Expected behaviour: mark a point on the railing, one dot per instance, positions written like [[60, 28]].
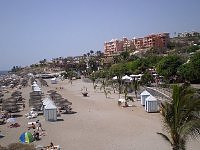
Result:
[[160, 93]]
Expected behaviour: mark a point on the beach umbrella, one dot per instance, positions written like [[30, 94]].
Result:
[[51, 91], [11, 120], [16, 93], [10, 100], [26, 137], [126, 78], [11, 108], [114, 78]]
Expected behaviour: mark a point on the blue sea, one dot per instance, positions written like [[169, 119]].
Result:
[[3, 73]]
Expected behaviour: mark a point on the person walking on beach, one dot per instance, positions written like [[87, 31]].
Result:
[[39, 125], [23, 106]]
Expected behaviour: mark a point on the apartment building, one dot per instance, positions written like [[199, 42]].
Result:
[[128, 44], [112, 47], [116, 46], [154, 40]]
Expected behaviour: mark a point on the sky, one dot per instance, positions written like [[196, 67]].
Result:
[[32, 30]]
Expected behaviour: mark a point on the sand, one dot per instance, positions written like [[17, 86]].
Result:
[[98, 123]]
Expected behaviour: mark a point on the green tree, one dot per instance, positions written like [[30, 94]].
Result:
[[70, 75], [81, 66], [147, 79], [193, 48], [93, 65], [16, 68], [135, 86], [104, 85], [191, 71], [168, 66], [181, 116], [43, 62], [91, 52], [124, 56], [118, 70], [93, 78], [99, 54], [152, 60]]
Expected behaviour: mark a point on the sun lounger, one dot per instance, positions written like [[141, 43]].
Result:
[[39, 147], [30, 123], [122, 100], [57, 147], [15, 125], [31, 115]]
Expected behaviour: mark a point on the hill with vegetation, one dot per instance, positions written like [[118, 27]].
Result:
[[179, 62]]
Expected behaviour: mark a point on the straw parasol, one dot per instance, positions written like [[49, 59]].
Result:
[[10, 107], [51, 91], [16, 93]]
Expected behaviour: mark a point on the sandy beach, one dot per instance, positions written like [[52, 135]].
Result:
[[98, 123]]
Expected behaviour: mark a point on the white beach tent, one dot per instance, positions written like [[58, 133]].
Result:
[[34, 85], [114, 78], [151, 104], [50, 112], [126, 78], [47, 100], [143, 96], [37, 89], [136, 76], [54, 81]]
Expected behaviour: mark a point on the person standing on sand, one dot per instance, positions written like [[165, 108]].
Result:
[[23, 106], [39, 125]]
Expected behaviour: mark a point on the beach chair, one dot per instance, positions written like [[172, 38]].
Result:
[[15, 125], [57, 147], [39, 147]]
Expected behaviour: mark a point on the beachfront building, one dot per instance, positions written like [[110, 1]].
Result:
[[150, 41], [112, 47], [115, 46], [128, 44]]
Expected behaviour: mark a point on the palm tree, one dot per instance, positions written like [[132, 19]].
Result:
[[99, 54], [104, 85], [88, 54], [135, 86], [181, 116], [91, 52], [70, 75], [93, 78]]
